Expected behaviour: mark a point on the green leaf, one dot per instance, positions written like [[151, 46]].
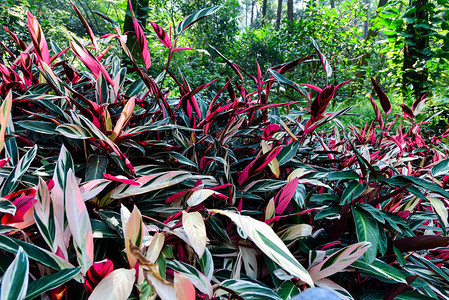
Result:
[[342, 175], [34, 252], [41, 285], [15, 280], [95, 167], [353, 191], [288, 152], [250, 290], [269, 243], [7, 207], [9, 185], [198, 279], [441, 168], [366, 229], [207, 264], [193, 18], [38, 126], [375, 212], [401, 180], [73, 131], [380, 269], [281, 79], [287, 290]]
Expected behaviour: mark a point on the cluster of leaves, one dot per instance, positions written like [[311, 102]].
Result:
[[114, 188]]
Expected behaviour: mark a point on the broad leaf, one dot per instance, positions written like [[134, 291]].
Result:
[[5, 111], [196, 231], [441, 168], [269, 243], [380, 269], [116, 285], [195, 17], [367, 230], [14, 282], [79, 223], [339, 261], [49, 282]]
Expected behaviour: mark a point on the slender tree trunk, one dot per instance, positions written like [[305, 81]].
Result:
[[290, 10], [279, 14], [264, 8], [414, 71], [252, 12], [332, 3], [246, 14]]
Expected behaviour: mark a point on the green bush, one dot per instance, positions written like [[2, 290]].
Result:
[[115, 187]]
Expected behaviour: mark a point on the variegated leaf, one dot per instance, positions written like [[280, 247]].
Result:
[[150, 183], [79, 223], [270, 244], [5, 111], [196, 231]]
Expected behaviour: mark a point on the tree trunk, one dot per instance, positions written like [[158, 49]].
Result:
[[279, 14], [264, 10], [252, 13], [246, 14], [332, 3], [290, 10], [139, 7], [413, 67]]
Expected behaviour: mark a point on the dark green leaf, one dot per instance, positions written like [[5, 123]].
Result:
[[41, 285], [95, 167], [366, 229]]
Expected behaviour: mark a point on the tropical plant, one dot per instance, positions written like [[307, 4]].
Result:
[[113, 187]]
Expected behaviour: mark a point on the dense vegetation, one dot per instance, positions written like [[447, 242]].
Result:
[[223, 160]]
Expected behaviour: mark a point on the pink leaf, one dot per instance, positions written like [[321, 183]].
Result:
[[24, 213], [91, 62], [377, 111], [103, 53], [258, 164], [339, 261], [183, 48], [184, 288], [313, 87], [120, 178], [285, 195], [162, 35], [38, 38], [269, 131], [141, 39], [86, 26], [97, 272]]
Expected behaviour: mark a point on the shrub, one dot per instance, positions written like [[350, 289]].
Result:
[[113, 187]]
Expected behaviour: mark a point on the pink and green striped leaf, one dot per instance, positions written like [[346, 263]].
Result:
[[195, 17], [90, 33], [12, 181], [150, 183], [5, 111], [38, 38], [141, 39], [79, 223], [162, 35]]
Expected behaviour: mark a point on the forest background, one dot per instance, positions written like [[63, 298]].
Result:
[[403, 44]]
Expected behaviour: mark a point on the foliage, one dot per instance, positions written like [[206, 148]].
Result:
[[114, 187]]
